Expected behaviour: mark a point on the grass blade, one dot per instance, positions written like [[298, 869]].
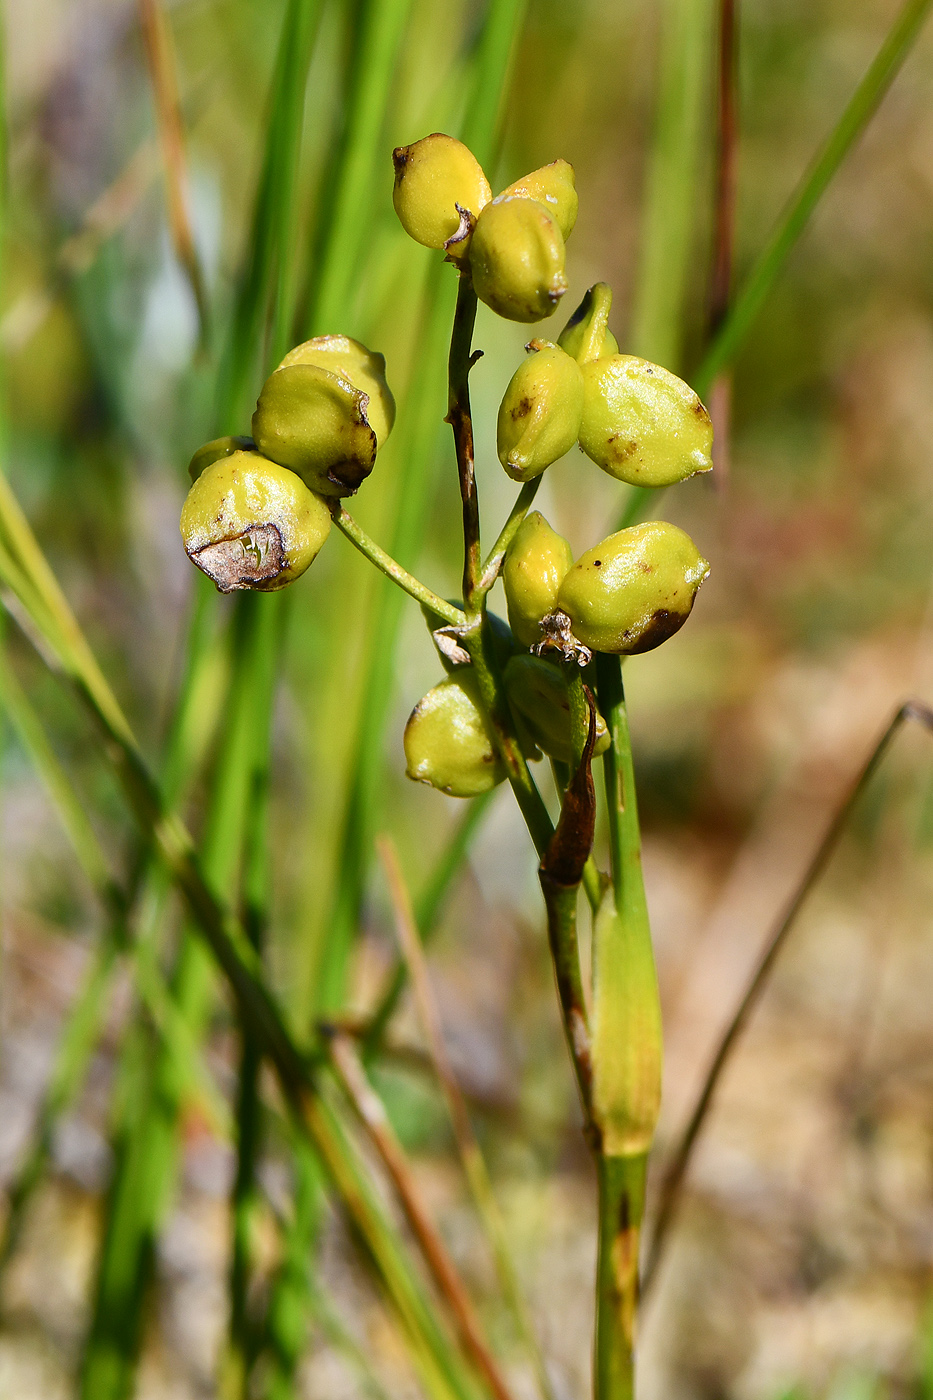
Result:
[[672, 1185], [418, 432], [468, 1148], [160, 55], [259, 1010], [771, 260], [347, 198], [669, 219], [767, 267]]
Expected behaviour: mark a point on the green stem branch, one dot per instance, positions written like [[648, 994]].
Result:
[[493, 565], [391, 568]]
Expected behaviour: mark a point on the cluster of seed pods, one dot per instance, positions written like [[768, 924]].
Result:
[[260, 507]]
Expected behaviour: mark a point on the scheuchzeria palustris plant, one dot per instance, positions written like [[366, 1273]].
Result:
[[261, 508]]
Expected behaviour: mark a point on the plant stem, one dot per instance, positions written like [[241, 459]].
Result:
[[560, 902], [496, 706], [459, 416], [626, 1055], [624, 830], [393, 570], [493, 565], [621, 1208], [478, 637]]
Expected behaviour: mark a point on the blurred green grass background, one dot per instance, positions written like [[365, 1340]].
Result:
[[803, 1258]]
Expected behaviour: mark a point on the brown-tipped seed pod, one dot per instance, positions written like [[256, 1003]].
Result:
[[541, 411], [553, 186], [325, 412], [586, 335], [365, 369], [642, 424], [213, 451], [538, 690], [634, 590], [535, 565], [517, 259], [249, 523], [447, 743], [435, 178]]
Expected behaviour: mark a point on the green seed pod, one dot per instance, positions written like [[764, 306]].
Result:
[[249, 523], [539, 691], [213, 451], [586, 335], [535, 565], [634, 590], [553, 186], [517, 259], [642, 424], [365, 369], [541, 411], [447, 743], [324, 412], [432, 178]]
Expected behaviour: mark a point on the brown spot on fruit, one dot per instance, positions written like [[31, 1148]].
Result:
[[662, 624], [252, 559]]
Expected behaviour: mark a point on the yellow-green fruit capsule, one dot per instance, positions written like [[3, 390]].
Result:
[[365, 369], [432, 177], [553, 186], [634, 590], [541, 411], [447, 743], [535, 565], [538, 690], [213, 451], [249, 523], [316, 423], [586, 335], [517, 259], [642, 424]]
